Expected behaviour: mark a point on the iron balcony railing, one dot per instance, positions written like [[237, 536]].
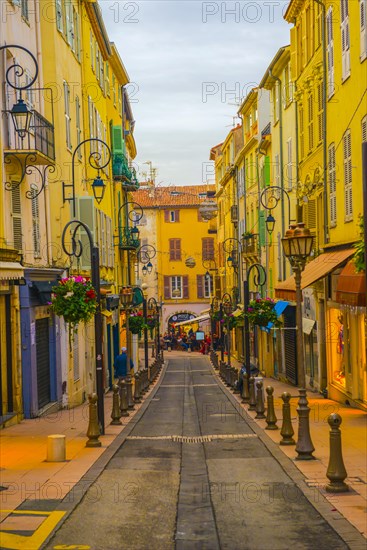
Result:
[[250, 245], [127, 241], [123, 172], [40, 138]]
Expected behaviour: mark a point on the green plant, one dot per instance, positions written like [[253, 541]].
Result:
[[358, 257], [230, 321], [247, 234], [261, 312], [136, 322], [152, 323], [74, 299]]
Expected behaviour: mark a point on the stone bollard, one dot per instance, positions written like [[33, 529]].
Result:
[[115, 414], [137, 398], [287, 430], [252, 400], [260, 407], [235, 381], [336, 472], [245, 393], [271, 418], [304, 446], [56, 450], [93, 432], [123, 398], [129, 390]]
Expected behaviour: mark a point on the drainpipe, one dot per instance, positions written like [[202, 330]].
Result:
[[277, 79], [324, 125]]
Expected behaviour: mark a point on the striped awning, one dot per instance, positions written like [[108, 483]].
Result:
[[11, 270], [200, 319]]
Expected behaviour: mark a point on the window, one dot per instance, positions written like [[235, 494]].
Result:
[[320, 112], [330, 51], [176, 284], [108, 91], [347, 153], [171, 216], [29, 92], [344, 13], [289, 163], [59, 16], [276, 170], [70, 24], [114, 89], [16, 214], [98, 62], [363, 23], [276, 101], [332, 184], [301, 132], [76, 28], [174, 249], [364, 129], [67, 114], [36, 235], [310, 123], [207, 248], [204, 286], [120, 99], [78, 126], [24, 7], [91, 50]]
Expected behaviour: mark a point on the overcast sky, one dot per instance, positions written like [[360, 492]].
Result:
[[188, 61]]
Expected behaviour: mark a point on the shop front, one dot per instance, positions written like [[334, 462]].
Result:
[[40, 340]]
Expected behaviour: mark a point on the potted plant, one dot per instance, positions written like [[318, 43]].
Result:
[[151, 322], [136, 322], [261, 312], [247, 235], [75, 300]]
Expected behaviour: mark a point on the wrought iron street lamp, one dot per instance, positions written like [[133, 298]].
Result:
[[153, 310], [270, 198], [145, 254], [227, 308]]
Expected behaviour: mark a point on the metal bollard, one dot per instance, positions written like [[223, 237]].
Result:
[[336, 472], [287, 430], [245, 393], [235, 381], [137, 398], [129, 389], [252, 401], [115, 414], [304, 446], [271, 418], [123, 399], [260, 407], [93, 432]]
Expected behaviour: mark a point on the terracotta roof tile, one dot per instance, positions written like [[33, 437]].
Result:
[[160, 197]]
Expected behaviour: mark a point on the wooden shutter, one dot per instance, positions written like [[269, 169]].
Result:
[[332, 184], [200, 285], [262, 231], [330, 51], [177, 215], [166, 216], [17, 218], [218, 291], [207, 248], [86, 213], [347, 151], [167, 287], [59, 18], [364, 129], [185, 285], [310, 123], [289, 165], [320, 114], [345, 36], [363, 24], [36, 225], [174, 249]]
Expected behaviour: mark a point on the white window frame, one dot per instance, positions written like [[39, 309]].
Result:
[[363, 28], [310, 125], [208, 288], [107, 77], [348, 176], [277, 169], [59, 16], [172, 216], [332, 184], [67, 114], [345, 38], [289, 163], [330, 52], [78, 126], [176, 282]]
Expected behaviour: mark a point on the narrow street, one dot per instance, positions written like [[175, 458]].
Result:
[[193, 475]]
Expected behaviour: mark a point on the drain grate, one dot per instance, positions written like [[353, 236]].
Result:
[[191, 439]]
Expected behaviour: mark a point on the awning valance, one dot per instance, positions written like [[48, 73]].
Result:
[[11, 270], [351, 287], [279, 308], [199, 319], [315, 270]]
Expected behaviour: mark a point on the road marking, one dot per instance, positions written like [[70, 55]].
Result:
[[34, 541], [191, 439], [187, 385], [72, 547]]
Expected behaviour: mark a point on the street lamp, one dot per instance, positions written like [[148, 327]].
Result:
[[227, 308], [98, 188], [297, 246], [214, 306], [152, 306], [270, 198]]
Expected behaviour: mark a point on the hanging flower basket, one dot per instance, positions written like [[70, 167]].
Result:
[[261, 312], [230, 321], [75, 300], [215, 316], [136, 323], [152, 324]]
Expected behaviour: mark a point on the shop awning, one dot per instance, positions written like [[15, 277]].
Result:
[[199, 319], [307, 325], [44, 289], [11, 270], [315, 270], [279, 308], [351, 287]]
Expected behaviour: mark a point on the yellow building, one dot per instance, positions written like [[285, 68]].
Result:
[[185, 246]]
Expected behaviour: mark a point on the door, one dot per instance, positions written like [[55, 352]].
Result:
[[290, 346], [43, 362]]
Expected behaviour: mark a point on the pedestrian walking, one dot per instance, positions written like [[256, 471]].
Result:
[[121, 364]]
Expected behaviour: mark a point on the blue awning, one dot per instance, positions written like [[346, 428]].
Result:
[[279, 308]]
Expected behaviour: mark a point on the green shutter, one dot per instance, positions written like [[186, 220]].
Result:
[[262, 230], [267, 170], [118, 145]]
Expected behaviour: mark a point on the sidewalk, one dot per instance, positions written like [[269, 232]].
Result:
[[24, 472], [353, 504]]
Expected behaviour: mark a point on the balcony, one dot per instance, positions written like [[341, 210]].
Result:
[[122, 172], [250, 245], [127, 240], [39, 142]]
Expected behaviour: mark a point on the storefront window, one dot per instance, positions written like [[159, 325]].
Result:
[[338, 342], [311, 356]]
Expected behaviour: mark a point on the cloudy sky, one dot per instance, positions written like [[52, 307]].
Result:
[[188, 61]]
